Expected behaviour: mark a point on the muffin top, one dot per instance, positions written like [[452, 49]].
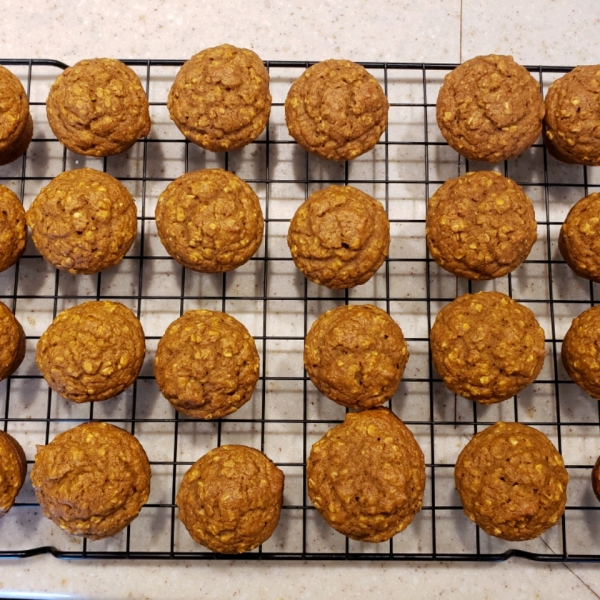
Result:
[[480, 225], [12, 342], [220, 98], [490, 108], [14, 110], [98, 107], [339, 237], [336, 110], [13, 228], [13, 469]]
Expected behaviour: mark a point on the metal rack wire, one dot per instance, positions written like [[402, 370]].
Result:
[[286, 414]]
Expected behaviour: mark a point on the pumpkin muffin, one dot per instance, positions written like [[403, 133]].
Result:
[[13, 228], [92, 352], [210, 221], [487, 347], [220, 98], [490, 108], [13, 469], [356, 355], [92, 480], [367, 476], [12, 342], [230, 499], [336, 110], [206, 364], [83, 221], [578, 241], [339, 237], [16, 124], [480, 225], [512, 481], [596, 478], [98, 107]]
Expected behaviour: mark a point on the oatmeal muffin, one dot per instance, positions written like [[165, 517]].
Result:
[[490, 108], [580, 352], [210, 221], [92, 352], [578, 241], [13, 469], [512, 481], [220, 98], [12, 342], [98, 107], [480, 225], [596, 478], [92, 480], [13, 228], [16, 124], [230, 499], [336, 110], [356, 355], [206, 364], [83, 221], [572, 121], [367, 476], [339, 237], [487, 347]]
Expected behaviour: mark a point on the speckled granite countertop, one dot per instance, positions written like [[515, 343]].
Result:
[[536, 32]]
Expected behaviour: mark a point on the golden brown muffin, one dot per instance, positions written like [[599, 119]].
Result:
[[13, 228], [596, 478], [92, 352], [16, 124], [210, 221], [336, 110], [512, 481], [339, 237], [12, 342], [367, 476], [98, 107], [13, 469], [572, 121], [490, 108], [220, 98], [480, 225], [580, 352], [356, 355], [578, 241], [206, 364], [83, 221], [487, 347], [230, 499], [92, 480]]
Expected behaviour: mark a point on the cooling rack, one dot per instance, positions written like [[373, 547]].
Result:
[[286, 414]]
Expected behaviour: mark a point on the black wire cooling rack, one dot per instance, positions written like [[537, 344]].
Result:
[[286, 414]]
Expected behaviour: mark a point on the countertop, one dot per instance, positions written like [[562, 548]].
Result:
[[551, 32]]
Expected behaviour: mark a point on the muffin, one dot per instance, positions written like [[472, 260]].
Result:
[[230, 499], [13, 469], [578, 239], [206, 364], [83, 221], [490, 108], [480, 225], [572, 121], [210, 221], [92, 351], [92, 480], [13, 228], [339, 237], [98, 107], [12, 342], [596, 478], [16, 124], [487, 347], [512, 481], [367, 476], [336, 110], [220, 98], [356, 355], [580, 352]]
